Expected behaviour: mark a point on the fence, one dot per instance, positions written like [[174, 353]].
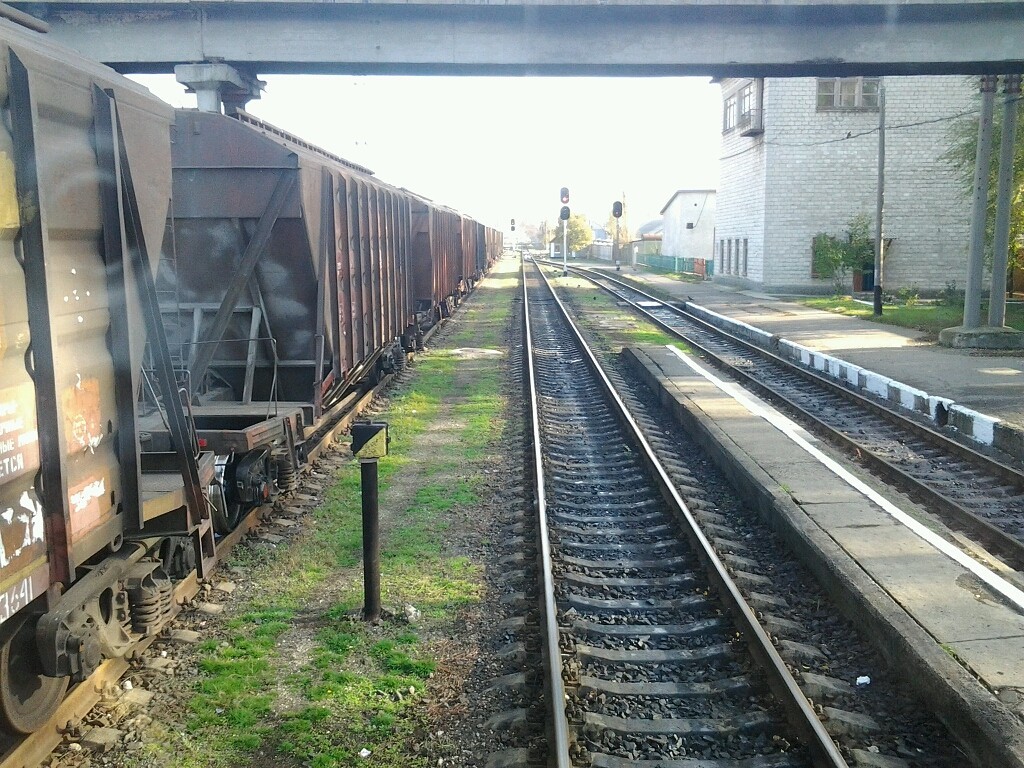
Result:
[[701, 267]]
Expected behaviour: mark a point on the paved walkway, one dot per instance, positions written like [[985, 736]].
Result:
[[944, 620]]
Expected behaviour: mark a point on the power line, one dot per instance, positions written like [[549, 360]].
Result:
[[859, 134]]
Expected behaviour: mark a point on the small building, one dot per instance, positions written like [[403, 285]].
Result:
[[688, 229], [645, 247], [800, 157], [600, 248]]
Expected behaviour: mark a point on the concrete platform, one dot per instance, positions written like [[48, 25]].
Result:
[[950, 626], [982, 381]]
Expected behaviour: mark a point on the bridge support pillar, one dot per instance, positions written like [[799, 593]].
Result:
[[216, 83]]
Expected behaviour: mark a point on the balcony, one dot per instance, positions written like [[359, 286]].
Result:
[[750, 123]]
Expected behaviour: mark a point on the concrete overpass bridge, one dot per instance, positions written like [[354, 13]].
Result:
[[219, 49], [751, 38]]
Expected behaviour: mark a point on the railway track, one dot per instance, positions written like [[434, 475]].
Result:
[[653, 656], [981, 495]]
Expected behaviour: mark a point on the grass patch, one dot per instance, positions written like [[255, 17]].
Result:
[[928, 317], [233, 694], [617, 325]]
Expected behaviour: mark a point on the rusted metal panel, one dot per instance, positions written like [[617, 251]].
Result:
[[422, 264], [388, 266], [342, 219], [355, 223], [326, 298], [365, 271], [376, 292], [69, 421], [403, 224]]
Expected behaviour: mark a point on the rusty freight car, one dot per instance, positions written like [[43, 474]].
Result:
[[282, 274], [438, 270], [450, 253], [84, 187], [285, 280]]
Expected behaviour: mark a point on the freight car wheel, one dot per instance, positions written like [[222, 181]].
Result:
[[226, 515], [28, 698]]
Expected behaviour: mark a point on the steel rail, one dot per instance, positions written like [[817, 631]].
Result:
[[996, 540], [553, 654], [799, 712]]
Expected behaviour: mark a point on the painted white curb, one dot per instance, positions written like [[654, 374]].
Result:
[[943, 412]]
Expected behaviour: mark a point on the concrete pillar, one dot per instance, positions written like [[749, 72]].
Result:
[[976, 257], [216, 83], [1001, 238]]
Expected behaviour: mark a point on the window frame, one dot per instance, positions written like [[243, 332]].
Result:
[[847, 94], [730, 113], [747, 101]]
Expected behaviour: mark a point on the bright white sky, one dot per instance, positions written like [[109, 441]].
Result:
[[501, 148]]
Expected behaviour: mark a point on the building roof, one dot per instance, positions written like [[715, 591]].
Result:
[[651, 230], [679, 192]]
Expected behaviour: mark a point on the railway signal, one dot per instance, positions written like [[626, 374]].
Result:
[[617, 213], [513, 225], [564, 216]]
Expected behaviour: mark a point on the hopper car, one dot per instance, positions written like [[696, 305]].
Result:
[[290, 279], [186, 303]]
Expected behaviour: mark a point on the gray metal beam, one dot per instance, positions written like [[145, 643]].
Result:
[[705, 37]]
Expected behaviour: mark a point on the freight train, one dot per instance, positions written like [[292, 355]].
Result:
[[187, 301]]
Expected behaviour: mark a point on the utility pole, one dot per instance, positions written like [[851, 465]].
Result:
[[565, 253], [975, 259], [880, 204], [1001, 239], [563, 214]]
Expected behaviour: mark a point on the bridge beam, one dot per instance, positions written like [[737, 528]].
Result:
[[645, 37]]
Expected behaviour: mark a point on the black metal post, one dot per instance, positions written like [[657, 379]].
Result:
[[371, 541], [879, 208]]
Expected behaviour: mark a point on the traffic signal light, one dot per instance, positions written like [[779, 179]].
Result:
[[564, 195], [564, 213], [616, 209], [513, 225]]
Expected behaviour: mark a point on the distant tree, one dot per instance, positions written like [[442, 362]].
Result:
[[623, 230], [538, 234], [579, 234], [963, 136]]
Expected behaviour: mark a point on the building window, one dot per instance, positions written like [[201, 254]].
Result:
[[848, 93], [747, 100], [744, 257], [729, 114], [721, 255]]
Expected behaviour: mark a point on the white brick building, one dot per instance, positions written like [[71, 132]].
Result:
[[799, 157], [688, 221]]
